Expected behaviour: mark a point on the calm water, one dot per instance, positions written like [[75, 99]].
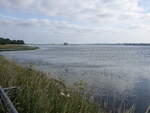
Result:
[[109, 69]]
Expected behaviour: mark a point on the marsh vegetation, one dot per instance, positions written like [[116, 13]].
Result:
[[40, 93]]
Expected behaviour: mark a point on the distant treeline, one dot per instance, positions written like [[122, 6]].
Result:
[[139, 44], [128, 44], [8, 41]]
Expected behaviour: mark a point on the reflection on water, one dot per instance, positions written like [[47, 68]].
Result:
[[138, 97], [118, 74], [141, 94]]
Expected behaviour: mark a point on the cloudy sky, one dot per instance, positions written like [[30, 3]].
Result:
[[75, 21]]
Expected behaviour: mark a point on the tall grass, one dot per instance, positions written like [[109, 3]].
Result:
[[40, 93]]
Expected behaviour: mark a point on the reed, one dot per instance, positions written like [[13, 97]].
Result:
[[40, 93]]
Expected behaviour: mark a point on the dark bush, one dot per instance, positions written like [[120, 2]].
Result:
[[8, 41]]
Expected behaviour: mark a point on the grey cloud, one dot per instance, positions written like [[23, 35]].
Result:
[[45, 24]]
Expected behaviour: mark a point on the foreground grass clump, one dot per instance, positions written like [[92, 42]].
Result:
[[16, 47], [41, 94]]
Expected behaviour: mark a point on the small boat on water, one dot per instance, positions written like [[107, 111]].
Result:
[[66, 43]]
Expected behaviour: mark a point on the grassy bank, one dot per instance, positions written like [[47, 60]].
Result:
[[16, 47], [40, 93]]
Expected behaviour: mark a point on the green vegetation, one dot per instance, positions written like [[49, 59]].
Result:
[[39, 93], [16, 47], [8, 41]]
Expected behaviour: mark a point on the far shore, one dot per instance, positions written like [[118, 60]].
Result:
[[16, 47]]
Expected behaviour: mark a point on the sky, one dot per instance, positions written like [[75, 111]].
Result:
[[76, 21]]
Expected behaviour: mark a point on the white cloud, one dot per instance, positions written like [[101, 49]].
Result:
[[93, 16], [88, 11], [75, 8]]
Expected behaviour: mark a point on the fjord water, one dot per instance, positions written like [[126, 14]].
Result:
[[118, 71]]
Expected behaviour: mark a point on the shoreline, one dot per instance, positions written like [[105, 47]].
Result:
[[41, 93], [16, 47]]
